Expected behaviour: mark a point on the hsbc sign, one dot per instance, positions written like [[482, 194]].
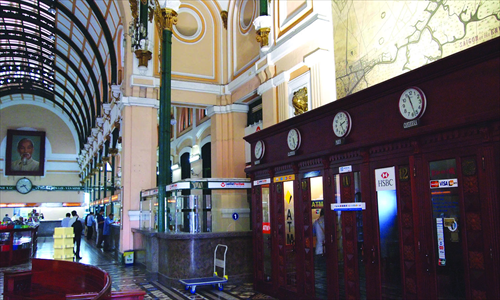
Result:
[[385, 179]]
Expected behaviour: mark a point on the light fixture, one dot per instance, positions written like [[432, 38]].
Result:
[[175, 167], [194, 158], [52, 10]]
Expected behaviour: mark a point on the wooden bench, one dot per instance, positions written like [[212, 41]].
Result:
[[55, 279]]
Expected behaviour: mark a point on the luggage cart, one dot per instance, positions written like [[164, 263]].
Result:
[[214, 280]]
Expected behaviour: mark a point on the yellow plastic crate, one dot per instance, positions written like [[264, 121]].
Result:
[[63, 231], [64, 246], [59, 242], [63, 252]]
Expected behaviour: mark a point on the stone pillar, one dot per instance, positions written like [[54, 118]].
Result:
[[228, 124], [138, 160]]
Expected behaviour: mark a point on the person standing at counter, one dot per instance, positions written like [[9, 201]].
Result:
[[65, 221], [100, 227], [90, 225], [107, 232], [6, 218]]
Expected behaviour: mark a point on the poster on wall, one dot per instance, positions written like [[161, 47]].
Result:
[[25, 153]]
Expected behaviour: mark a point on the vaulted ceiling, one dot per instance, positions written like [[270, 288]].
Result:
[[60, 53]]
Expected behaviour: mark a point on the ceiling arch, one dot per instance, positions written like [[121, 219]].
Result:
[[63, 52]]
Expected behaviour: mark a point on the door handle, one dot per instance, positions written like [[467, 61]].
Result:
[[427, 258]]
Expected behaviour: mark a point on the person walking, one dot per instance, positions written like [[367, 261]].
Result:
[[100, 227], [77, 230], [90, 225], [107, 232]]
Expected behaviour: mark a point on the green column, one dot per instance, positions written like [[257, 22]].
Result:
[[263, 7], [164, 134]]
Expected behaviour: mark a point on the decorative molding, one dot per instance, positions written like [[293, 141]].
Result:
[[136, 101], [226, 109]]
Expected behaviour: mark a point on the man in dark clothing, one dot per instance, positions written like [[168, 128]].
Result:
[[89, 222], [100, 227], [77, 230]]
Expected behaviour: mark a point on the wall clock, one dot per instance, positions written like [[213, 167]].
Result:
[[293, 139], [412, 103], [259, 150], [342, 124], [24, 185]]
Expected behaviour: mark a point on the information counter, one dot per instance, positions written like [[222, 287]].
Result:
[[17, 245], [200, 214]]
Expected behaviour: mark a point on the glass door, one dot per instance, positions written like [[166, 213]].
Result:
[[289, 245], [266, 242], [348, 239]]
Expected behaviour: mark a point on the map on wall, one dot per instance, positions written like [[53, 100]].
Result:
[[378, 40]]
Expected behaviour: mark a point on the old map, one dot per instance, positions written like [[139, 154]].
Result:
[[378, 40]]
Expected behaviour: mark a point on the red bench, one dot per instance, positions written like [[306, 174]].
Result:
[[55, 279]]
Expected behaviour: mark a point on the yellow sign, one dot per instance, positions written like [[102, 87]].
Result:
[[284, 178]]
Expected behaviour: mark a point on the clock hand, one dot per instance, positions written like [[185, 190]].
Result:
[[409, 100]]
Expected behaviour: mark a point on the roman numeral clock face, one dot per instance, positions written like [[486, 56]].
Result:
[[412, 103]]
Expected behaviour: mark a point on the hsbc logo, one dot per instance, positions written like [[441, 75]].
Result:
[[385, 179]]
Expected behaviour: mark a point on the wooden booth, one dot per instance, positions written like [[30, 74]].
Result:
[[407, 173]]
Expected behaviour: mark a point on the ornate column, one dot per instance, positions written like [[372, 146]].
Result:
[[166, 18]]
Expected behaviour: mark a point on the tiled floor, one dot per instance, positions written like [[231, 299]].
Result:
[[136, 277]]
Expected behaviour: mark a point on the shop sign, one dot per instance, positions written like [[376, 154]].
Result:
[[262, 181], [266, 228], [179, 186], [229, 185], [444, 183], [345, 169], [284, 178], [312, 174], [348, 206], [385, 179]]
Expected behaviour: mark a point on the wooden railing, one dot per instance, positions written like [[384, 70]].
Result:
[[55, 279]]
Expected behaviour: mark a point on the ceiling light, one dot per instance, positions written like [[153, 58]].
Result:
[[52, 10]]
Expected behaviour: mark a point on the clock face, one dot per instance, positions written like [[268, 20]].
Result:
[[342, 124], [293, 139], [24, 185], [259, 150], [412, 103]]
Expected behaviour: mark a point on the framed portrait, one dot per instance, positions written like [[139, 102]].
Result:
[[25, 153]]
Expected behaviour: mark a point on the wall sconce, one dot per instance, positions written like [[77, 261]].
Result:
[[175, 167], [194, 158]]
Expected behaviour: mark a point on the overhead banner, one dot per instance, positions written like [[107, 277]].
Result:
[[385, 179]]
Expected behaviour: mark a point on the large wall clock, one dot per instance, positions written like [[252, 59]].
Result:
[[259, 150], [342, 124], [24, 185], [412, 103], [293, 139]]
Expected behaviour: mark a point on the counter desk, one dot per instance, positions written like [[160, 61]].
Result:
[[175, 256]]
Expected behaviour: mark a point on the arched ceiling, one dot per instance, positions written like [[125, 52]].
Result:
[[62, 53]]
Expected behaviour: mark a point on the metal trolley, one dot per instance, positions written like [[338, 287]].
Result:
[[215, 280]]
